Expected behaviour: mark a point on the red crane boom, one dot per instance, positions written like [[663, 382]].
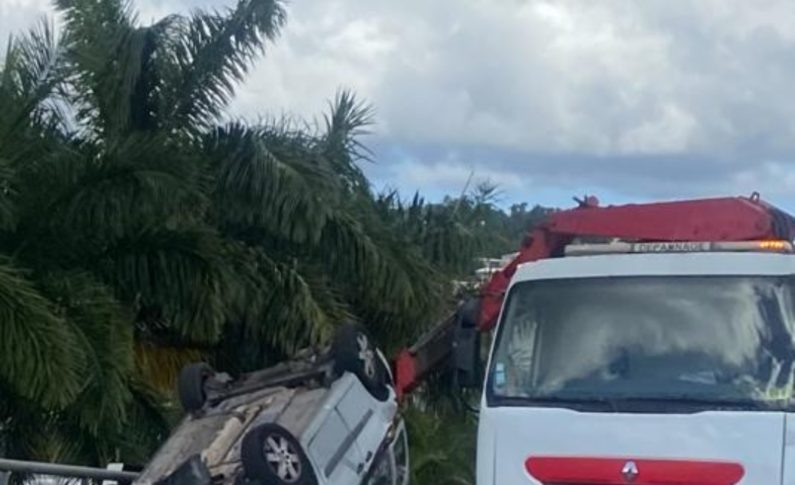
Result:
[[719, 219]]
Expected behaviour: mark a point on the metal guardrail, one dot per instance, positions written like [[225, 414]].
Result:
[[66, 471]]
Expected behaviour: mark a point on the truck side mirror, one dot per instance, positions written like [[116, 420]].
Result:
[[466, 346]]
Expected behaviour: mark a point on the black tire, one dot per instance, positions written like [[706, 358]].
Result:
[[262, 462], [190, 386], [349, 343]]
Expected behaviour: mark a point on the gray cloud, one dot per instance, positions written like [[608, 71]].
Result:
[[641, 99]]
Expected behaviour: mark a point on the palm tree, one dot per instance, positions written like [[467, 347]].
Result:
[[141, 230], [67, 342]]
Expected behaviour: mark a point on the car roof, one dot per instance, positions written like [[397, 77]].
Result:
[[666, 264]]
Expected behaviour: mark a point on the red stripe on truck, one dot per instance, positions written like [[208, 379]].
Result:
[[622, 471]]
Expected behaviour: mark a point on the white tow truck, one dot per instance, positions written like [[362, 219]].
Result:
[[645, 369], [647, 344]]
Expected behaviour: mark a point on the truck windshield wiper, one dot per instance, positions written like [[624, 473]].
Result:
[[707, 402], [642, 403], [576, 402], [699, 402]]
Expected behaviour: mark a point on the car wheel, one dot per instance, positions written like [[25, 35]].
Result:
[[190, 386], [271, 454], [353, 351]]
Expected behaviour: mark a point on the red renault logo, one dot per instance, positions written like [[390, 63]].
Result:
[[630, 471]]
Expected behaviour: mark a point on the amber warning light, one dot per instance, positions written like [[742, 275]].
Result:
[[778, 246]]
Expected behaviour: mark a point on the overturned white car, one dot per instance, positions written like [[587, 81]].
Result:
[[326, 418]]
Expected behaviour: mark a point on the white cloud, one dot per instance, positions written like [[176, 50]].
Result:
[[653, 97], [669, 131], [17, 15], [704, 80]]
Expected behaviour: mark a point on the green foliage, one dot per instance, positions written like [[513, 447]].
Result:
[[453, 233], [138, 232], [442, 447], [42, 352], [211, 52]]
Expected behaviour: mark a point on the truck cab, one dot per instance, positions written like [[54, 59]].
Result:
[[644, 364]]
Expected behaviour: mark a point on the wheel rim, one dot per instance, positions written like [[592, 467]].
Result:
[[282, 458], [366, 355]]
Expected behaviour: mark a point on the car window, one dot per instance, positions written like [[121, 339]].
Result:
[[382, 473]]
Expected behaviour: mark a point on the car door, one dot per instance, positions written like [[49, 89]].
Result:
[[333, 447], [361, 414]]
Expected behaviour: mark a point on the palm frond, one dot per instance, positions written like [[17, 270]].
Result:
[[105, 50], [391, 286], [101, 193], [345, 124], [42, 357], [150, 417], [29, 73], [213, 53], [450, 235], [32, 433], [269, 179], [175, 276], [105, 329], [275, 305]]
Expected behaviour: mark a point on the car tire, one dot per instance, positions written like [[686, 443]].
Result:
[[353, 352], [272, 455], [191, 386]]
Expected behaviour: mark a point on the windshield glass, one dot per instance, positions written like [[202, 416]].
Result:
[[699, 339]]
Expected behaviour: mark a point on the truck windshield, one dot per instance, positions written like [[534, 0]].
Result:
[[707, 341]]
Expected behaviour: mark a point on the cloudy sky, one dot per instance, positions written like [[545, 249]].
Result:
[[628, 100]]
